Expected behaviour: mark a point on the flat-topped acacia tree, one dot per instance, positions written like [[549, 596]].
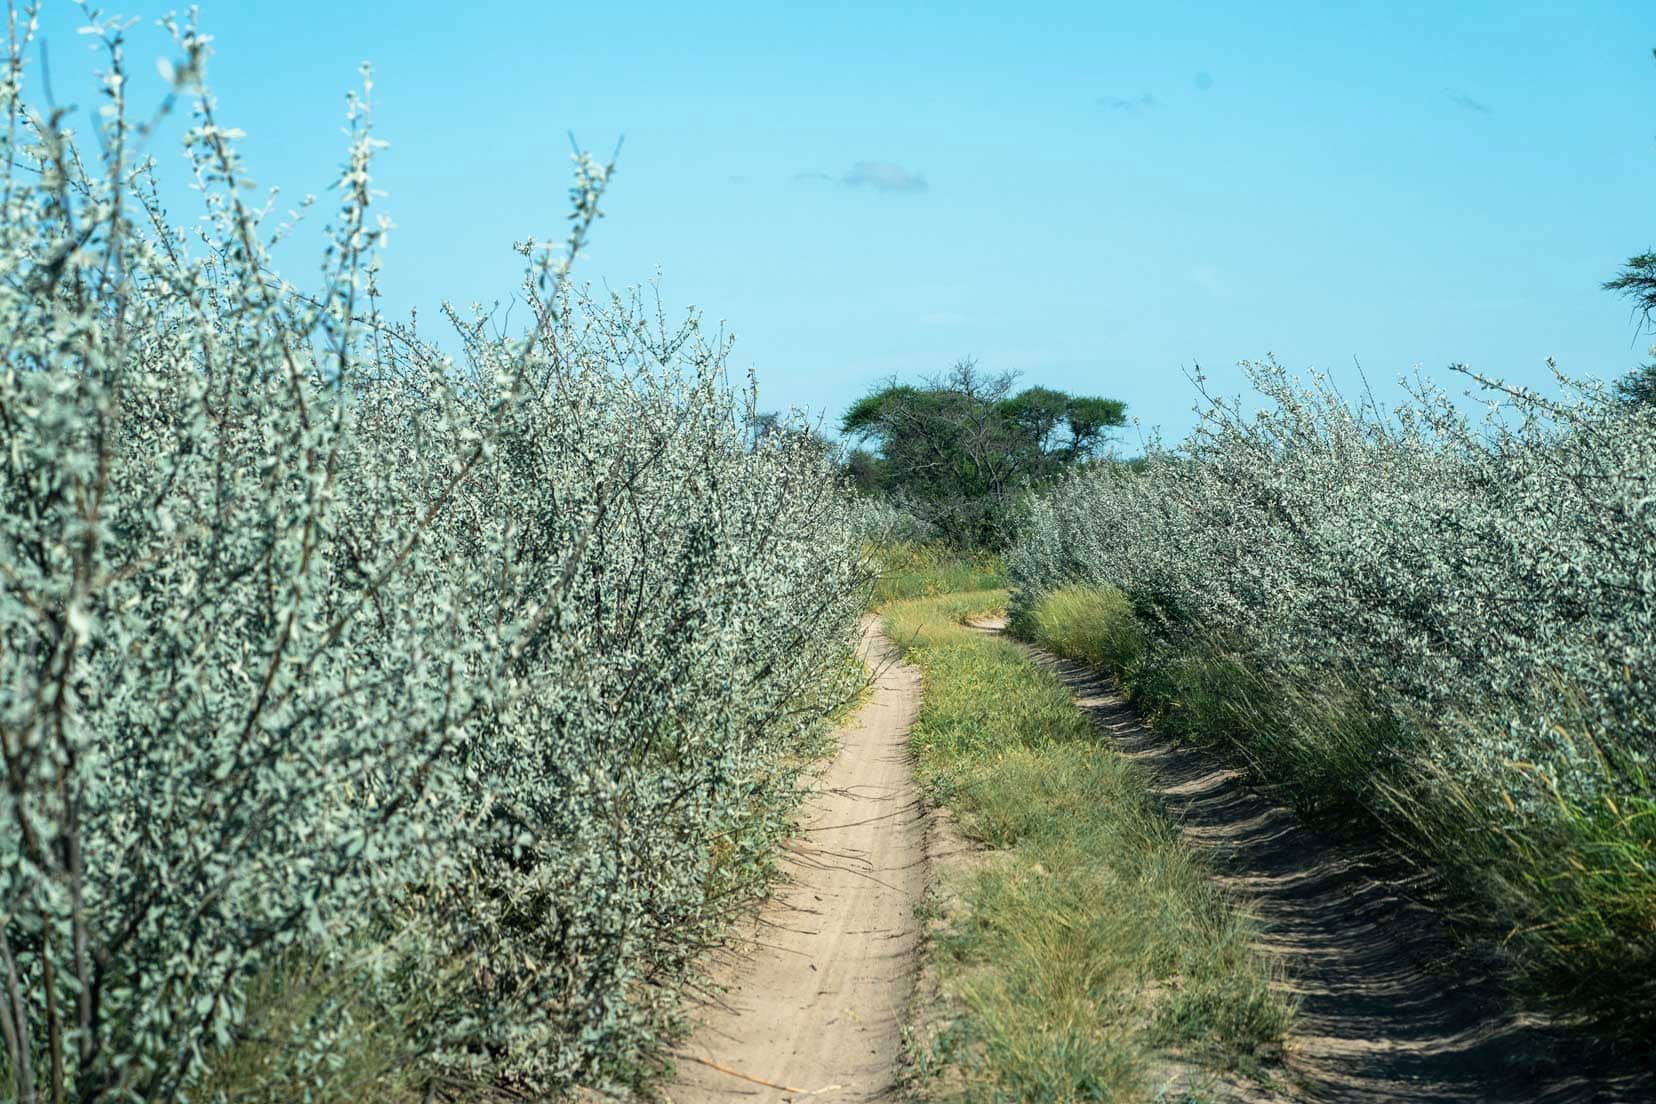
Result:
[[958, 447]]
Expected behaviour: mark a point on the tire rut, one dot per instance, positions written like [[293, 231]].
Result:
[[1389, 1010], [816, 984]]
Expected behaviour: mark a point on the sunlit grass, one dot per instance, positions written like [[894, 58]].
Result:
[[926, 570], [1098, 942], [1086, 623]]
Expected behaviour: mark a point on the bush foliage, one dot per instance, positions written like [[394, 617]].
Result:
[[468, 682], [1445, 624]]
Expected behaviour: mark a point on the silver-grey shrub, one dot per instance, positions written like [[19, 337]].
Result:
[[470, 680], [1445, 621]]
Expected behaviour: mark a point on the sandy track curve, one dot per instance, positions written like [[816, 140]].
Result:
[[816, 984]]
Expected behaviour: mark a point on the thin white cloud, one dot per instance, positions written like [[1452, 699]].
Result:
[[883, 176]]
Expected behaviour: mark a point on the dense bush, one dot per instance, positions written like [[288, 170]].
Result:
[[466, 685], [1445, 625]]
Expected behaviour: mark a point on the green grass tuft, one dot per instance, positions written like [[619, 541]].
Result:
[[1085, 623]]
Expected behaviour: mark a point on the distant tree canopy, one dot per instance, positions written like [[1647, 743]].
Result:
[[957, 448], [1637, 281]]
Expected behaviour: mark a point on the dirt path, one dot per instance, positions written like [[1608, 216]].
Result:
[[816, 988], [1387, 1011]]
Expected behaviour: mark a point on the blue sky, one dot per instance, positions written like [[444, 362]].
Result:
[[1096, 195]]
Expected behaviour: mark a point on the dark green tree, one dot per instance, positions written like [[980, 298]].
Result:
[[1637, 281], [958, 448]]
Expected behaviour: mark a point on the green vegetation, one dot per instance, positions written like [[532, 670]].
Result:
[[957, 451], [1322, 741], [1410, 625], [387, 719], [1637, 281], [1316, 740], [1094, 945], [1092, 625], [928, 570]]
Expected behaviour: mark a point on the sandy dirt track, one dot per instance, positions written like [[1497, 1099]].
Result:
[[816, 984]]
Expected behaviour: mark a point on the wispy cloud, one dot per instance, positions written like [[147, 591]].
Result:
[[883, 176], [1142, 102], [811, 178], [1467, 103]]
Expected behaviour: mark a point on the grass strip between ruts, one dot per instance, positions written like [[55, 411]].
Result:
[[1092, 957]]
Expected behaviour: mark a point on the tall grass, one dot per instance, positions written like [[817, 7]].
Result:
[[1440, 629], [1096, 943], [922, 570]]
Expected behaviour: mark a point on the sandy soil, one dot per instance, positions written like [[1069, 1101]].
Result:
[[815, 987], [1388, 1010]]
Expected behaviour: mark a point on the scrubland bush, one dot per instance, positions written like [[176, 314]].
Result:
[[1446, 626], [459, 690]]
